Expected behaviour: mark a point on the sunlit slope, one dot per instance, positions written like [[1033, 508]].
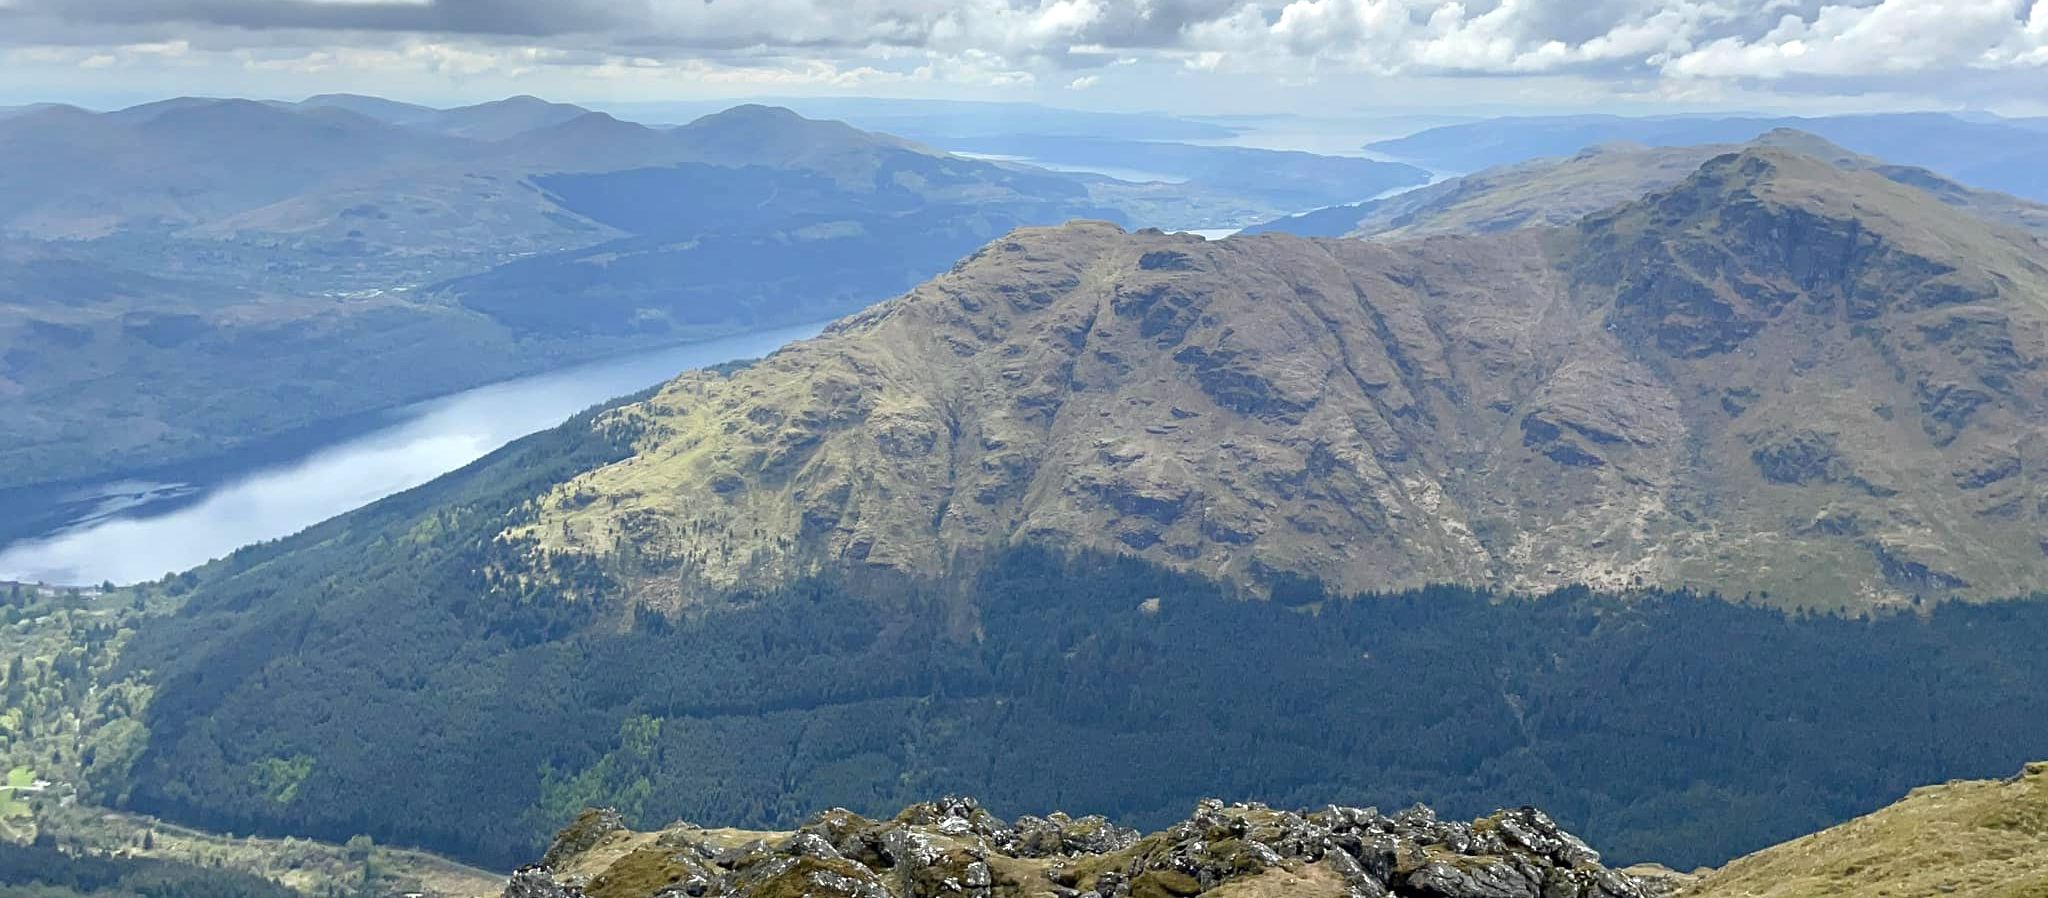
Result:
[[1777, 376], [1978, 839]]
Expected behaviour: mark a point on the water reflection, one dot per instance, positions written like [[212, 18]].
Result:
[[129, 534]]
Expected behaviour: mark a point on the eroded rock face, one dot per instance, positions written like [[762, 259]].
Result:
[[538, 881], [955, 848], [1674, 392]]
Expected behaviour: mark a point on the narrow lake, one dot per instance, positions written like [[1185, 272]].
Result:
[[127, 530]]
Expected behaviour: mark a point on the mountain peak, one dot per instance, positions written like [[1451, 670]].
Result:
[[1810, 144], [758, 121], [517, 101], [1708, 264], [1107, 391], [754, 112], [755, 134]]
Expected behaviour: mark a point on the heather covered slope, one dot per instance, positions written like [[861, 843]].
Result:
[[1690, 389]]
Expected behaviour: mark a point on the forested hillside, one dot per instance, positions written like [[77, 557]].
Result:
[[1054, 529], [40, 871], [377, 675]]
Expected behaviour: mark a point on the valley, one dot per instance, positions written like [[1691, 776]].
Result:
[[486, 466], [67, 743], [157, 522], [158, 309]]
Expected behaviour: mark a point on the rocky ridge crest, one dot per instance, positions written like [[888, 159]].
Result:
[[954, 847]]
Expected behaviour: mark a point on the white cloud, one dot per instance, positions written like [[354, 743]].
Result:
[[1676, 47], [1894, 36]]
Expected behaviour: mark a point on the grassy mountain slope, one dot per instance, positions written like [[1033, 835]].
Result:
[[1689, 389], [1981, 839]]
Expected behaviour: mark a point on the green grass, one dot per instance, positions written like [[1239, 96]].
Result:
[[13, 805]]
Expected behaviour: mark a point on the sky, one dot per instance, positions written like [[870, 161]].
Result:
[[1309, 57]]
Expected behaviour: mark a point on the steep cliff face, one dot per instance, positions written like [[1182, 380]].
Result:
[[955, 848], [1859, 369], [1776, 376]]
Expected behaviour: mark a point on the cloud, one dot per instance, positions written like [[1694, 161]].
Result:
[[1637, 45], [1896, 36], [495, 17]]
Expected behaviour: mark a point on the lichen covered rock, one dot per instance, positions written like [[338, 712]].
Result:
[[955, 847]]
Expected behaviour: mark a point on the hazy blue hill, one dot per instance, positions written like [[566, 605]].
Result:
[[501, 119], [933, 119], [495, 120], [1329, 221], [1996, 155], [587, 142], [69, 173], [12, 111], [391, 111], [777, 137], [276, 234], [1560, 191], [784, 219]]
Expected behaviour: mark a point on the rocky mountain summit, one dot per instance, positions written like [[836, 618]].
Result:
[[1777, 377], [954, 847]]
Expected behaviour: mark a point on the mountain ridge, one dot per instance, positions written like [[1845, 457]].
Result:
[[1993, 154], [955, 847], [1534, 408], [1559, 191]]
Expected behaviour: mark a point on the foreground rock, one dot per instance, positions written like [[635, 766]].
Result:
[[955, 847]]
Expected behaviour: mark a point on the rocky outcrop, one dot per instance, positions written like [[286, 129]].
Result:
[[956, 848]]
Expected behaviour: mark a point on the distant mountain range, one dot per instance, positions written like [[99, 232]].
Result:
[[305, 247], [1993, 154], [1560, 191]]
